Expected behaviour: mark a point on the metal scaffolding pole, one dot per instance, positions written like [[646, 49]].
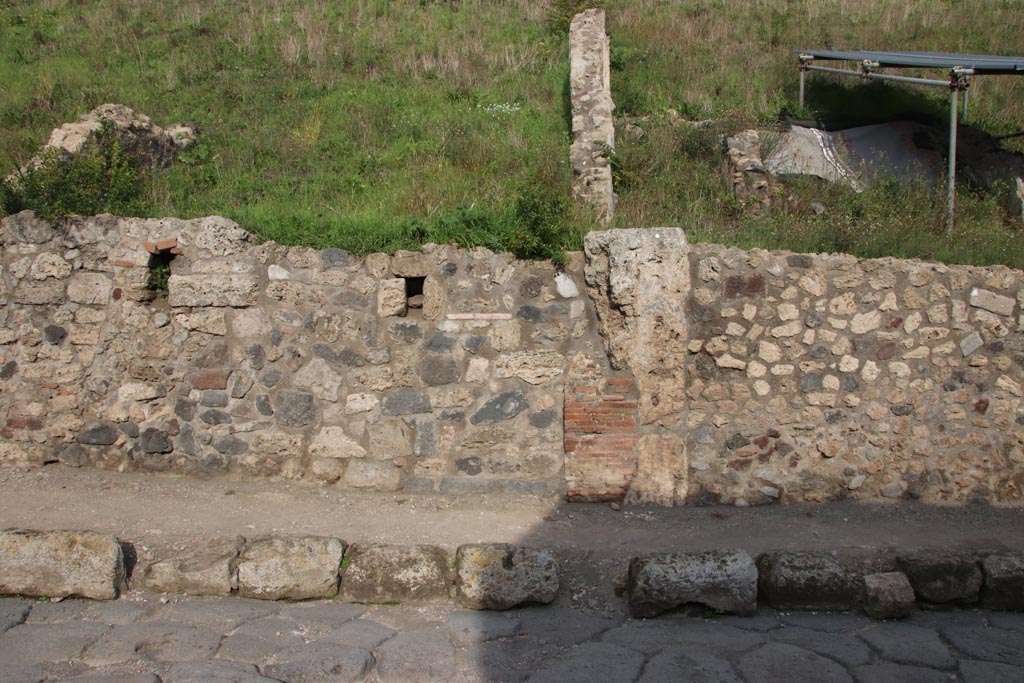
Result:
[[954, 98], [959, 81]]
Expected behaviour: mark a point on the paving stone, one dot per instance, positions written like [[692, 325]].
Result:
[[593, 663], [113, 678], [215, 671], [419, 656], [405, 618], [989, 672], [831, 623], [116, 613], [294, 568], [844, 648], [1008, 620], [810, 581], [35, 643], [502, 661], [255, 641], [652, 636], [776, 662], [52, 612], [22, 673], [391, 573], [942, 619], [475, 627], [215, 614], [320, 662], [990, 644], [364, 633], [886, 672], [155, 640], [562, 626], [722, 580], [321, 617], [500, 576], [764, 621], [908, 644], [695, 667], [13, 612]]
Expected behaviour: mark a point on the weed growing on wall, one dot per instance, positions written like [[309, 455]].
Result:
[[103, 179]]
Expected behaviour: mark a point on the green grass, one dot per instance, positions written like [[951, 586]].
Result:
[[381, 124]]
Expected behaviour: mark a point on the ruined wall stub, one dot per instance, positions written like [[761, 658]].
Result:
[[439, 369], [639, 281], [593, 130]]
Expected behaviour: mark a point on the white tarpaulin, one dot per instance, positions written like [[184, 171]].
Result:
[[856, 155]]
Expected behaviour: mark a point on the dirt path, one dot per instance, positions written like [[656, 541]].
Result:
[[164, 512]]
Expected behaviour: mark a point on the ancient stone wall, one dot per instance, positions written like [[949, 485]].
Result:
[[682, 374], [593, 128], [813, 377], [800, 377], [441, 368]]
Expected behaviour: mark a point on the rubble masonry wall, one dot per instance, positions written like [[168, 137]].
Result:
[[651, 369]]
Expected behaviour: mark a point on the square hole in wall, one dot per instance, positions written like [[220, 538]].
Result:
[[159, 272], [414, 291]]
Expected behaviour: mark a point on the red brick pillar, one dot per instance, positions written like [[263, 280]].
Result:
[[600, 431]]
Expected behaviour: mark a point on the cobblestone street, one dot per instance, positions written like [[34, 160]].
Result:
[[142, 638]]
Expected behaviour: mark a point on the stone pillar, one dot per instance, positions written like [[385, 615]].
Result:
[[639, 281], [593, 130]]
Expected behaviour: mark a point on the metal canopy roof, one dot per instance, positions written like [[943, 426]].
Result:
[[982, 64]]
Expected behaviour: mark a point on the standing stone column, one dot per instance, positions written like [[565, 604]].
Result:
[[639, 281], [593, 130]]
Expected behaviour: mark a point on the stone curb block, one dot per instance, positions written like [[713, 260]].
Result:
[[1004, 582], [297, 568], [807, 581], [61, 564], [942, 579], [725, 581], [498, 576], [888, 595], [378, 574], [501, 576], [210, 571]]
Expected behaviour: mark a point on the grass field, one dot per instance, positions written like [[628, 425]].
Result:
[[380, 124]]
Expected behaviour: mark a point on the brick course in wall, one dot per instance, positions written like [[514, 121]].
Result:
[[601, 432]]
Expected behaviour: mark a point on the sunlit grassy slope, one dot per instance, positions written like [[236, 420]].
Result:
[[379, 124]]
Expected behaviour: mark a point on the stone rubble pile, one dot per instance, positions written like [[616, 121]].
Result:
[[140, 138]]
